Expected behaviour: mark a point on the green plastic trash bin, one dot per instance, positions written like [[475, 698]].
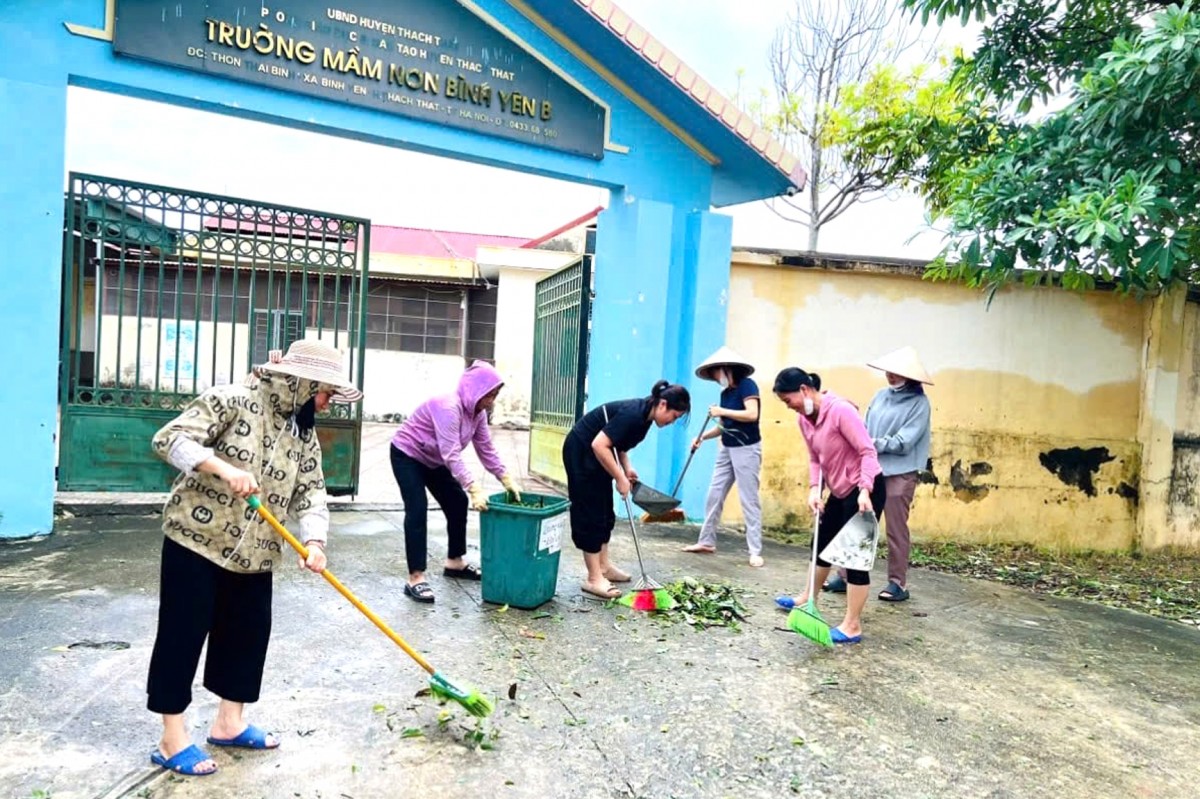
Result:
[[519, 547]]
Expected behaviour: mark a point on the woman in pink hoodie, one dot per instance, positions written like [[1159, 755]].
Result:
[[427, 454], [841, 454]]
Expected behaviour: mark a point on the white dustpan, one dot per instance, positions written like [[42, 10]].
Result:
[[855, 544]]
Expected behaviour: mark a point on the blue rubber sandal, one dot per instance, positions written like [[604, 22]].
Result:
[[183, 762], [785, 602], [251, 738], [893, 593], [835, 585], [839, 637]]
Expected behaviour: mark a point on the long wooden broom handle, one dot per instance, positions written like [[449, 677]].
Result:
[[257, 504]]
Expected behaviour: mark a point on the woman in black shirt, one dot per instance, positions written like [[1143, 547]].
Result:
[[595, 456]]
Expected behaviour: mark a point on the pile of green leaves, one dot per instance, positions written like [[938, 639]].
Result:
[[511, 499], [703, 605], [1164, 584]]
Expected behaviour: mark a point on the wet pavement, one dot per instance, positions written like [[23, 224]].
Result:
[[971, 689]]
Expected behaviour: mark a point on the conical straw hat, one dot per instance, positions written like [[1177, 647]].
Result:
[[903, 362], [315, 360], [722, 357]]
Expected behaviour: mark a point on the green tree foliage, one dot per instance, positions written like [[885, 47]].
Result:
[[909, 129], [1105, 187]]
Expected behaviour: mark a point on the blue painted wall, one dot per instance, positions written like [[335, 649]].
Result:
[[662, 263], [662, 279], [33, 118]]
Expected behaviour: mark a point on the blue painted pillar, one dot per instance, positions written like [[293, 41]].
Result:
[[661, 281], [707, 246], [33, 117], [629, 318]]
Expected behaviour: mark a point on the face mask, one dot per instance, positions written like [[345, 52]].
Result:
[[722, 380], [808, 406], [898, 387]]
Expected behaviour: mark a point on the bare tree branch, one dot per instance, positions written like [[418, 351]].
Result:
[[820, 48]]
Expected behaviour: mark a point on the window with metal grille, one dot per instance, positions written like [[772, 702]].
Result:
[[275, 330], [152, 292], [412, 318], [481, 325]]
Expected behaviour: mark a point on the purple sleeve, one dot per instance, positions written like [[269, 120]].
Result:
[[447, 424], [855, 432], [485, 449]]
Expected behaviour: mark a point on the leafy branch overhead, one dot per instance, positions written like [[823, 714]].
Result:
[[1100, 182]]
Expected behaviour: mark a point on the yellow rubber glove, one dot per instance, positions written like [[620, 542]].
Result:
[[511, 486], [477, 498]]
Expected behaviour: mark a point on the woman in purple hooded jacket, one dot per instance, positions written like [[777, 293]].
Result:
[[427, 454]]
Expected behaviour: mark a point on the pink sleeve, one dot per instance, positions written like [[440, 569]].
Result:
[[855, 432], [814, 467]]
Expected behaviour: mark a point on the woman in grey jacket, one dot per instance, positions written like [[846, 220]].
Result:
[[898, 423]]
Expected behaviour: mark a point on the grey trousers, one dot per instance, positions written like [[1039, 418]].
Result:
[[739, 465]]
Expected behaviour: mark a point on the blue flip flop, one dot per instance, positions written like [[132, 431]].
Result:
[[835, 585], [839, 637], [183, 762], [785, 602], [250, 738]]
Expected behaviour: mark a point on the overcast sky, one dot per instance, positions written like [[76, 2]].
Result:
[[139, 140]]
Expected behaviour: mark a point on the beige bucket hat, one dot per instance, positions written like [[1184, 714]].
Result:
[[313, 359], [903, 362], [723, 357]]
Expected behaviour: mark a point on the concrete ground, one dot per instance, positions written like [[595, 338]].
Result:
[[969, 690]]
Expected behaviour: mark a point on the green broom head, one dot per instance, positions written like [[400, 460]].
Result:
[[647, 599], [807, 621], [474, 702]]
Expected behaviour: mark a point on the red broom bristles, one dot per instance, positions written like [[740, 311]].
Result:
[[644, 600]]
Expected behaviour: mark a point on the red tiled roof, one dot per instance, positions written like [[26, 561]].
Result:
[[700, 91], [435, 243]]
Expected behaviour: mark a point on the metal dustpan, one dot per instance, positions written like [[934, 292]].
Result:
[[855, 544], [652, 500]]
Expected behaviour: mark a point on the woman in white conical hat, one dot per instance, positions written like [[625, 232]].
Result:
[[898, 421], [739, 460]]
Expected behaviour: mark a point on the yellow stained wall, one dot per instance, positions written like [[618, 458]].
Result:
[[1183, 511], [1017, 386]]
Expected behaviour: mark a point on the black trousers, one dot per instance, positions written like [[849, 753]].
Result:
[[413, 477], [197, 600], [838, 511], [590, 490]]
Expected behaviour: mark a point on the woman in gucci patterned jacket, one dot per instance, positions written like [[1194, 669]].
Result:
[[218, 555]]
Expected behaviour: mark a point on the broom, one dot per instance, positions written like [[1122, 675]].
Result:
[[474, 702], [807, 620], [646, 594], [675, 514]]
